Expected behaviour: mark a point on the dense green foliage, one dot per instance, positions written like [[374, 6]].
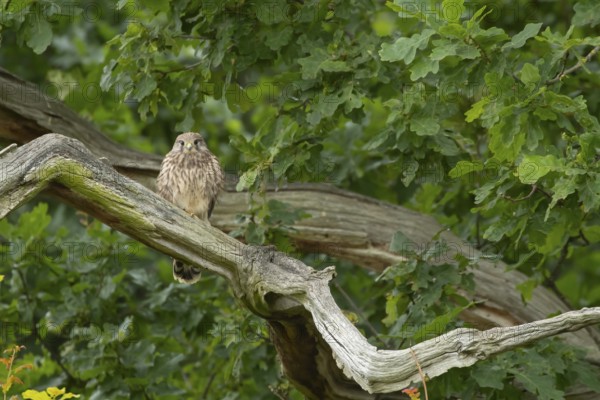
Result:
[[453, 109]]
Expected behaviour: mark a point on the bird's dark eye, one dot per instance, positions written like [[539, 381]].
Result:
[[197, 142], [180, 142]]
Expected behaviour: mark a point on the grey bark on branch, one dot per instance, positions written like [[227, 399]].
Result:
[[334, 227], [322, 352], [27, 113]]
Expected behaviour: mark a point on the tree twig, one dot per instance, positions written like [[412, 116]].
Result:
[[208, 384], [534, 188], [550, 282], [478, 46], [358, 311], [192, 37], [423, 377], [53, 355], [575, 67], [8, 148], [179, 69]]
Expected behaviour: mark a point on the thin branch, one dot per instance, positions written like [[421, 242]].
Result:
[[478, 46], [564, 252], [8, 148], [423, 377], [55, 357], [193, 37], [550, 282], [478, 243], [542, 191], [534, 188], [208, 384], [179, 69], [583, 238], [360, 312], [575, 67]]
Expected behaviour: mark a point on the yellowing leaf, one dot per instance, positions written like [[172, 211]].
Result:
[[51, 393], [69, 396], [476, 110], [35, 395], [54, 391]]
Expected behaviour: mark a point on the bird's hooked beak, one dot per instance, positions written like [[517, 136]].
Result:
[[188, 146]]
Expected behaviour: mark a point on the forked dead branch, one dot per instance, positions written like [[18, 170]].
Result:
[[322, 352], [333, 228]]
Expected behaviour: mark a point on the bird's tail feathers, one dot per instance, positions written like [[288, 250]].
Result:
[[185, 273]]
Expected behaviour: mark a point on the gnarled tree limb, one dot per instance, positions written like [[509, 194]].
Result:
[[334, 227], [26, 113], [323, 353]]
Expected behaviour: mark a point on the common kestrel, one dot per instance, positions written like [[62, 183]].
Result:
[[191, 178]]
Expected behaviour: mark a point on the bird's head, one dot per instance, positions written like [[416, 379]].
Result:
[[189, 142]]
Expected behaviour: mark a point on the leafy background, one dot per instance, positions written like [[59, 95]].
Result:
[[454, 109]]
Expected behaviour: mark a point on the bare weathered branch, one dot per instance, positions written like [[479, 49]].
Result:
[[322, 352], [334, 227], [27, 113]]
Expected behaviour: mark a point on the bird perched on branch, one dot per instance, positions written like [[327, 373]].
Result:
[[191, 178]]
